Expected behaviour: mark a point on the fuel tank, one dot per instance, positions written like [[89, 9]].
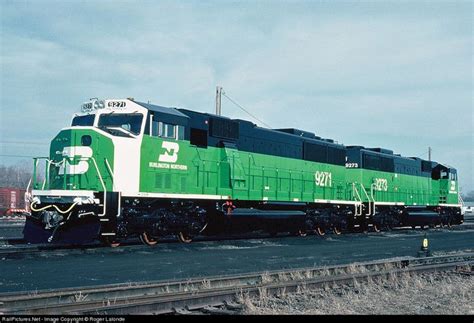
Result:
[[414, 216]]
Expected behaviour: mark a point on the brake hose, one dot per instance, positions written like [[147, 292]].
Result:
[[52, 205]]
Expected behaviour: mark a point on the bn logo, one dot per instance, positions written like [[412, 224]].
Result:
[[83, 152], [171, 153]]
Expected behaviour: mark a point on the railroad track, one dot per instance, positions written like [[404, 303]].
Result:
[[11, 241], [17, 247], [209, 293]]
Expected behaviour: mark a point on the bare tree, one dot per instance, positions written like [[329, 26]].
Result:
[[468, 197], [18, 175]]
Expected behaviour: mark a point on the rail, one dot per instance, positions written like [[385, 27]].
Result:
[[170, 297]]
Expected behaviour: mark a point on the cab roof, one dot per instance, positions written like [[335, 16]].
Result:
[[165, 114]]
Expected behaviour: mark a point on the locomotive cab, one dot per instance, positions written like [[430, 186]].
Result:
[[448, 185], [90, 164], [446, 179], [96, 163]]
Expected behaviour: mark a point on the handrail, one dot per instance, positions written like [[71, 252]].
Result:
[[357, 192], [365, 192], [372, 192], [372, 189], [368, 198], [460, 200], [48, 169], [111, 173], [357, 206], [49, 162], [103, 185], [35, 167]]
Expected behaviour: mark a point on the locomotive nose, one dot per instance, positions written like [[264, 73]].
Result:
[[80, 160]]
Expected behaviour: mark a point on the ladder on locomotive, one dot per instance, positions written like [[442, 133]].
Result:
[[359, 205]]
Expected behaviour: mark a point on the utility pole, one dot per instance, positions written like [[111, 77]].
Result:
[[218, 100], [429, 153]]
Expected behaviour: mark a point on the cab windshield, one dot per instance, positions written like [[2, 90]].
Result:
[[121, 124], [84, 121]]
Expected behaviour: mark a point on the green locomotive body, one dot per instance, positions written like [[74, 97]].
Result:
[[128, 168]]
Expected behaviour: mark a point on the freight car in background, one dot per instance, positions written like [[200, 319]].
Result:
[[12, 202], [127, 168]]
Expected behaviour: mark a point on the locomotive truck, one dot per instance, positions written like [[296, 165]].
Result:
[[125, 168]]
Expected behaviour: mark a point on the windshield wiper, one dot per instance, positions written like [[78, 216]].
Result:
[[128, 132]]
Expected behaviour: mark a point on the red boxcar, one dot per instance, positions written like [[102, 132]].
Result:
[[12, 200]]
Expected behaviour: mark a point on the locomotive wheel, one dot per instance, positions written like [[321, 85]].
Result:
[[336, 230], [184, 238], [146, 239], [301, 233], [320, 231], [110, 242], [376, 227], [203, 228], [388, 227]]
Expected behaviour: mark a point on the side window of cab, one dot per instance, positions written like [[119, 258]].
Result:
[[165, 130]]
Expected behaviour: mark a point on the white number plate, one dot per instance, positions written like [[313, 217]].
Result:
[[352, 165], [381, 184], [116, 104], [323, 179]]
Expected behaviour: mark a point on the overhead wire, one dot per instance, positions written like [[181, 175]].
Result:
[[16, 156], [426, 152], [24, 143], [7, 142], [245, 110]]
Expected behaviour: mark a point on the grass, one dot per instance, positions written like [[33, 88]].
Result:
[[434, 293], [79, 297]]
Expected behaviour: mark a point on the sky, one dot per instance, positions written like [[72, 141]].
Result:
[[396, 75]]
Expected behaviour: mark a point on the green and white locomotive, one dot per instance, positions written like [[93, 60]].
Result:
[[126, 168]]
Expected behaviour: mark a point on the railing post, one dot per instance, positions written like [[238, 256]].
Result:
[[35, 161], [46, 174], [64, 173], [103, 185]]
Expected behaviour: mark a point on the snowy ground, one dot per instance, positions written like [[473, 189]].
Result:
[[438, 293]]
